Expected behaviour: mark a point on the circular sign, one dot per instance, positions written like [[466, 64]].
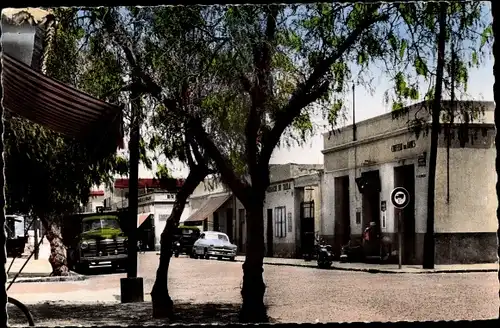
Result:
[[400, 197]]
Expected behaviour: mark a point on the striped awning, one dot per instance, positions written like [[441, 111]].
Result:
[[57, 106]]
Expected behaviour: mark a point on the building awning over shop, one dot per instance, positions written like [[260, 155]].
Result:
[[57, 106], [141, 218], [207, 208]]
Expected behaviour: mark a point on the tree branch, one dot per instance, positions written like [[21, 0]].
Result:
[[239, 187], [303, 95], [260, 92]]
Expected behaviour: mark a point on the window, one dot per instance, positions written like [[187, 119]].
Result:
[[286, 186], [280, 222]]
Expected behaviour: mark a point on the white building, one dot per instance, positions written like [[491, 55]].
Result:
[[157, 207], [385, 154]]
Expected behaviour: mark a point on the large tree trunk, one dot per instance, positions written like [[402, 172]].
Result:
[[162, 303], [435, 126], [496, 94], [253, 309], [57, 258]]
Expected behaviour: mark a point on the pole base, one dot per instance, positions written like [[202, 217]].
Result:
[[132, 290]]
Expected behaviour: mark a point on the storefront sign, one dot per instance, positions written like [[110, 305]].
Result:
[[402, 146], [145, 199]]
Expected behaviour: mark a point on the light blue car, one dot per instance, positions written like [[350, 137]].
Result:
[[214, 244]]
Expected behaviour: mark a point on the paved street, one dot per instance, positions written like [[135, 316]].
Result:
[[299, 294]]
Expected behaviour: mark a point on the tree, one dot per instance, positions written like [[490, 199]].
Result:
[[271, 63], [435, 126], [434, 28], [271, 92], [49, 175]]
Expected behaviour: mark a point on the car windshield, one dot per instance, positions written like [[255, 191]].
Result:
[[100, 224], [215, 236]]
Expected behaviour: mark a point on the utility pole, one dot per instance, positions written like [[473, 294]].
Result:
[[132, 287], [36, 227]]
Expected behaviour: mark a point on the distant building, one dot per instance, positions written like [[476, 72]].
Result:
[[156, 199], [385, 154]]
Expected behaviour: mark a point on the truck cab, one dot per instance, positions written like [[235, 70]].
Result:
[[101, 240]]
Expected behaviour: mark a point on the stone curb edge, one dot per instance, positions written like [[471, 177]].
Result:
[[72, 277], [371, 270]]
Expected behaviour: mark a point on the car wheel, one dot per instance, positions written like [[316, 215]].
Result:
[[232, 259]]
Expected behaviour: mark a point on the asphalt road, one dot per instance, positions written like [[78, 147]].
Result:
[[297, 294]]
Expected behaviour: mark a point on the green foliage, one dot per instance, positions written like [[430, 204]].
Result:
[[468, 31], [46, 173], [209, 61]]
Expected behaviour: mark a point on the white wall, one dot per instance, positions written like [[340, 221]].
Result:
[[473, 200], [277, 199], [161, 213]]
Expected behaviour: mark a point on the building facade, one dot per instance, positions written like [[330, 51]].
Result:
[[291, 211], [154, 210], [215, 208], [385, 154]]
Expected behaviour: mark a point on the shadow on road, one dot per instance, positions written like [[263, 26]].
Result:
[[102, 314], [102, 269]]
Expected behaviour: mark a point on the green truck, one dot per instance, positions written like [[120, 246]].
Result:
[[98, 240]]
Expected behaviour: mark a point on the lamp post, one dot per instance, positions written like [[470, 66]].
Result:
[[132, 287]]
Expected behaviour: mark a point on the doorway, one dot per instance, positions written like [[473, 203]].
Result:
[[307, 227], [342, 220], [229, 224], [404, 176], [371, 199], [146, 234], [270, 233], [216, 221], [241, 232]]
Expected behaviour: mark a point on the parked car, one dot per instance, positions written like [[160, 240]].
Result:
[[16, 236], [214, 244], [185, 237], [101, 239]]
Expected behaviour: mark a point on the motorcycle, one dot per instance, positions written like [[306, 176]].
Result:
[[324, 255], [176, 248], [322, 252]]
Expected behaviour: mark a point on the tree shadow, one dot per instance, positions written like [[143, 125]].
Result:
[[105, 314]]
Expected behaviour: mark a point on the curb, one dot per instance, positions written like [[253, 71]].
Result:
[[72, 277], [385, 271]]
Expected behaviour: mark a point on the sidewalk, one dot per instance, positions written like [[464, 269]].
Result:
[[35, 270], [383, 268]]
